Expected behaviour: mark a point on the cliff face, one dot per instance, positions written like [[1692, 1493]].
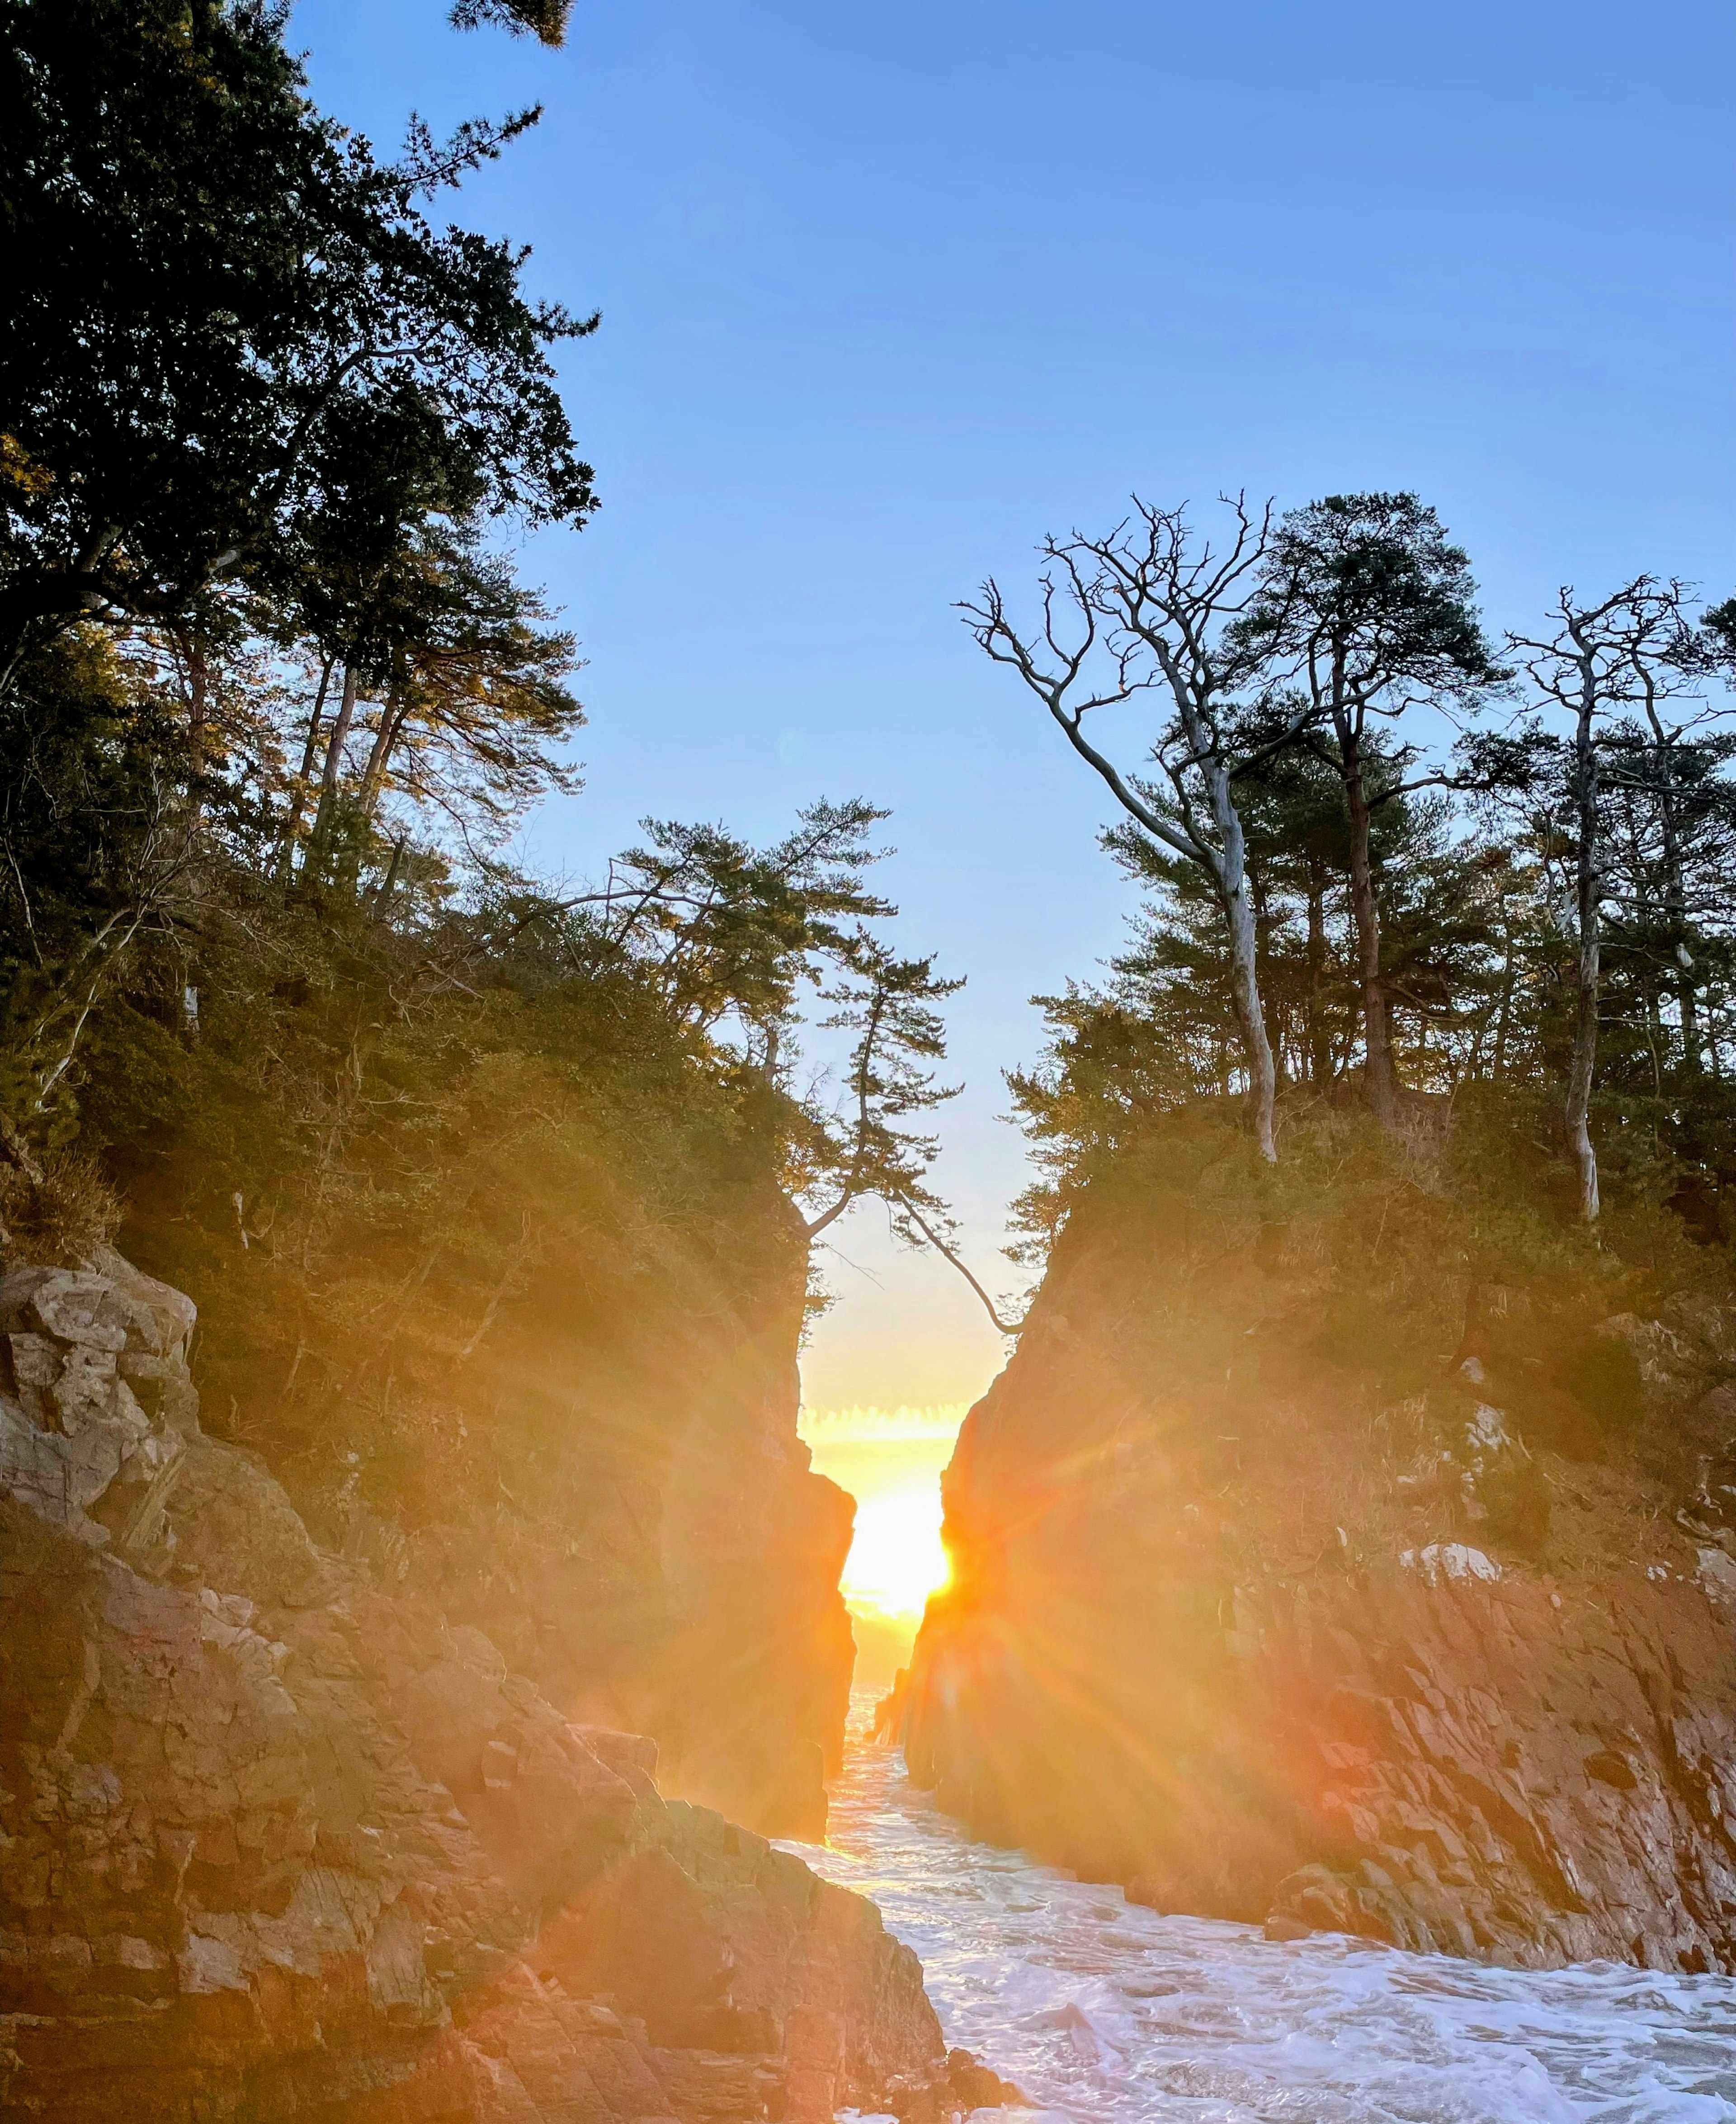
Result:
[[664, 1560], [1304, 1575], [280, 1838], [596, 1464]]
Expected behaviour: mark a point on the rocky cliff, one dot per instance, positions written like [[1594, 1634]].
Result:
[[661, 1558], [1351, 1551], [528, 1349], [281, 1839]]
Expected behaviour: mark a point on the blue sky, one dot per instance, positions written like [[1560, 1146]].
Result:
[[887, 293]]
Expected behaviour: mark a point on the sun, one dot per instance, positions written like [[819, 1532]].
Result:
[[896, 1560], [890, 1463]]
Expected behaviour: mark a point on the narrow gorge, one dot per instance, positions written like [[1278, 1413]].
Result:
[[880, 1268], [1342, 1567]]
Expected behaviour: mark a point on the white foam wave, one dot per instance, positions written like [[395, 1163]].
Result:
[[1110, 2014]]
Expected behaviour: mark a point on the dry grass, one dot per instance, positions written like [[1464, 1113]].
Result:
[[59, 1214]]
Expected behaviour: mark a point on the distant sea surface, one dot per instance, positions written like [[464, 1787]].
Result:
[[1109, 2014]]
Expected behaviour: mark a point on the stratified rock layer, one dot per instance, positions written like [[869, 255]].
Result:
[[280, 1842], [1227, 1629]]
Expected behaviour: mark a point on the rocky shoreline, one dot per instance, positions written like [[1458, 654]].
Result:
[[1491, 1769], [280, 1840]]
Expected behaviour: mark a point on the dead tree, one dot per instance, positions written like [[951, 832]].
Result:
[[1603, 659], [1149, 609]]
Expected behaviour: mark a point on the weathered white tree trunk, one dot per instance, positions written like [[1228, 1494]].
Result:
[[1231, 867], [1380, 1082], [1587, 892], [299, 792], [335, 757]]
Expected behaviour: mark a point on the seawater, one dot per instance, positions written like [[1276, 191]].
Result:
[[1109, 2014]]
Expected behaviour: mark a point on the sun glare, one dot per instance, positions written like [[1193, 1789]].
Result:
[[889, 1460], [896, 1560]]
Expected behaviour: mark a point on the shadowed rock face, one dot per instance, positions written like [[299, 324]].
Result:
[[281, 1841], [608, 1483], [1225, 1628], [677, 1572]]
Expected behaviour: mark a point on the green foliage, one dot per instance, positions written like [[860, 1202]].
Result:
[[220, 302], [93, 842], [417, 1167], [735, 927], [545, 20], [1322, 1342], [58, 1212], [1474, 901], [386, 1154], [389, 1137], [1370, 588]]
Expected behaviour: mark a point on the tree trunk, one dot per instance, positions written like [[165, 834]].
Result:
[[392, 721], [1692, 1046], [1589, 971], [335, 759], [1675, 908], [1380, 1082], [1319, 1045], [1277, 1027], [1499, 1068], [298, 794], [1238, 908], [1262, 1075], [374, 776], [199, 690], [1675, 893], [383, 898], [193, 647]]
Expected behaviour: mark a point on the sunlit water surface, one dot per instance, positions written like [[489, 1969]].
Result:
[[1104, 2011]]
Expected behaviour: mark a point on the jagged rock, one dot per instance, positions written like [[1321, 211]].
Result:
[[976, 2086], [1442, 1562], [280, 1842], [1438, 1742], [72, 1431], [1717, 1573], [1501, 1485]]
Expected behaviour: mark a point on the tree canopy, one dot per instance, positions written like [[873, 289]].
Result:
[[275, 697], [238, 345], [1469, 869]]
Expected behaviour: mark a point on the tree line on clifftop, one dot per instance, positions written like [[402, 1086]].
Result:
[[1385, 855]]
